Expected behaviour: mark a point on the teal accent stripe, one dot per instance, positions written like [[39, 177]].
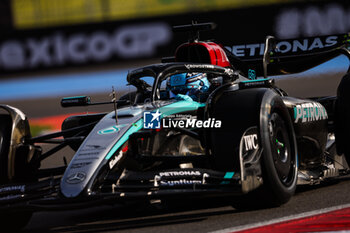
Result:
[[229, 175], [134, 128], [73, 97], [255, 80], [181, 106], [225, 182]]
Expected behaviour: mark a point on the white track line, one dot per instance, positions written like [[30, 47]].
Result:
[[283, 219]]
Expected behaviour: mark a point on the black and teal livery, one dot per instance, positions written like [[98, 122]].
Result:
[[245, 140]]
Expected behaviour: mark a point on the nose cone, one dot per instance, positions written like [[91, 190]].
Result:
[[97, 149]]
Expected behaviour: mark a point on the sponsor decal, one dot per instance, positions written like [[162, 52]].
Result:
[[151, 120], [114, 161], [76, 178], [308, 112], [179, 182], [79, 165], [88, 153], [92, 147], [254, 83], [190, 66], [86, 159], [159, 182], [288, 46], [250, 153], [181, 173], [20, 188], [91, 150], [251, 142], [112, 129], [251, 74]]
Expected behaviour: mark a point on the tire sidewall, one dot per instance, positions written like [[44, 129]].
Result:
[[11, 221], [280, 193], [342, 116], [5, 138]]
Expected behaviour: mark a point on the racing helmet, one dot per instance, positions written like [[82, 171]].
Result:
[[191, 84]]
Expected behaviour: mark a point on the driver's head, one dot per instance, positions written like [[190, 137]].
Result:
[[191, 84]]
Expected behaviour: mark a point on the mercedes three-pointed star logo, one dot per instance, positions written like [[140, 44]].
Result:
[[76, 178]]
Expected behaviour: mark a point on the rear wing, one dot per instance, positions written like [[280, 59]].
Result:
[[278, 57]]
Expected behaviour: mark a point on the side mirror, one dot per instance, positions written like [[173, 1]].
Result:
[[75, 101], [270, 45]]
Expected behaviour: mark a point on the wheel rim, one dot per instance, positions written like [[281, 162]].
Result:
[[282, 156]]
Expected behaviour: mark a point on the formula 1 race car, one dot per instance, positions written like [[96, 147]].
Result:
[[207, 127]]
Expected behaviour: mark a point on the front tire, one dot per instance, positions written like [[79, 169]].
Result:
[[5, 138], [342, 117], [9, 220], [279, 157], [279, 160]]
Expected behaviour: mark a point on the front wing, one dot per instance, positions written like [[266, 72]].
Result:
[[133, 186]]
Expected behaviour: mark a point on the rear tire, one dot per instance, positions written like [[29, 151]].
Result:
[[9, 221]]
